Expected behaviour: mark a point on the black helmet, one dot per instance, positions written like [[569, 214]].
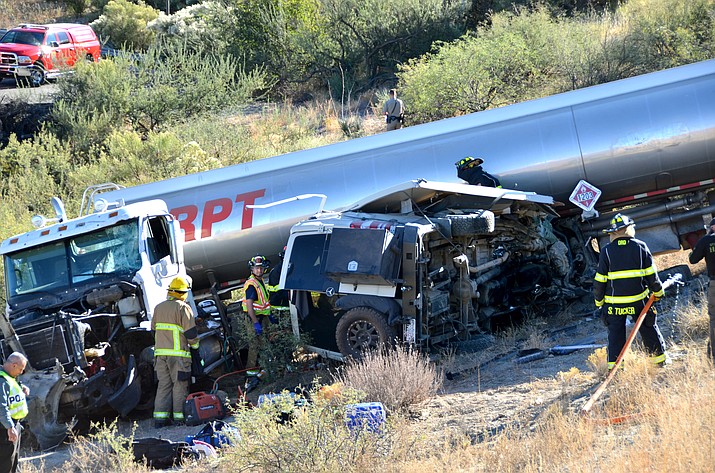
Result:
[[618, 222], [259, 260], [468, 162]]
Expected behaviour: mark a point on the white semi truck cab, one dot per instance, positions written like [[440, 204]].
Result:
[[80, 295]]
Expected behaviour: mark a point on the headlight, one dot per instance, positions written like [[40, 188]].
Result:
[[24, 60]]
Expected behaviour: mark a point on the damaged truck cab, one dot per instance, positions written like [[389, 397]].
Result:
[[426, 263], [79, 296]]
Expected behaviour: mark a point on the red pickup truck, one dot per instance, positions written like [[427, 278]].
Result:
[[35, 53]]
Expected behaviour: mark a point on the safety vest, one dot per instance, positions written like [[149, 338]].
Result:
[[17, 405], [177, 349], [260, 306]]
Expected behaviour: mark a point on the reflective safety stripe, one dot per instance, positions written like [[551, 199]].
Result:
[[195, 346], [176, 331], [627, 299], [161, 415], [261, 306], [599, 303], [178, 416], [627, 274], [273, 288], [600, 277], [658, 359], [17, 405]]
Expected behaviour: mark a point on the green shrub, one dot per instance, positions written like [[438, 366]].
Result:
[[124, 24]]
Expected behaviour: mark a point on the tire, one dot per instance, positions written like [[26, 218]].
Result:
[[37, 76], [363, 329], [480, 222], [476, 343]]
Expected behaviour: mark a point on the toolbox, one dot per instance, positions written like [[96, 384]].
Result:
[[201, 407]]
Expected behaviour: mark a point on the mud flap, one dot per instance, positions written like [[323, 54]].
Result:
[[43, 403], [129, 394]]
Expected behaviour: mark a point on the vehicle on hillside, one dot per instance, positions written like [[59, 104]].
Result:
[[36, 53]]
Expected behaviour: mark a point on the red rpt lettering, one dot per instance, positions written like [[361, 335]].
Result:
[[189, 213], [214, 211], [249, 198], [212, 216]]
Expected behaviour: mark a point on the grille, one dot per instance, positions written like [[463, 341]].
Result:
[[8, 59]]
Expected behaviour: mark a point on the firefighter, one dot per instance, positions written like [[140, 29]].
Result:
[[13, 408], [278, 298], [257, 305], [470, 170], [705, 248], [625, 277], [175, 335]]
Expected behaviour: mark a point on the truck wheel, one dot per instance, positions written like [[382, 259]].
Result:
[[362, 329], [37, 76], [479, 222]]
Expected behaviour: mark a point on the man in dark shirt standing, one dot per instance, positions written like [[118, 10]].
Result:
[[705, 248]]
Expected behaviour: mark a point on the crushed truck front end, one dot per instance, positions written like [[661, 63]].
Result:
[[426, 263], [79, 296]]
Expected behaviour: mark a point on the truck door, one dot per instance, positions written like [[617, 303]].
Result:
[[63, 50], [162, 255]]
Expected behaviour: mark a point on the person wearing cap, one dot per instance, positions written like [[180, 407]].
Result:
[[394, 111], [470, 170], [625, 278], [257, 305], [175, 335], [705, 248]]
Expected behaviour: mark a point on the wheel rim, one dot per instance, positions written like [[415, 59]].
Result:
[[36, 76], [363, 335]]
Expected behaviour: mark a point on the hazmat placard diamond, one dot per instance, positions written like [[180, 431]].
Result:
[[585, 195]]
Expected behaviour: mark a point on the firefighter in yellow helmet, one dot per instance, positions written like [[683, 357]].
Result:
[[257, 305], [175, 334], [625, 277], [470, 169]]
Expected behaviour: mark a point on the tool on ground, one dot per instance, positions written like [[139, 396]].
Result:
[[594, 397]]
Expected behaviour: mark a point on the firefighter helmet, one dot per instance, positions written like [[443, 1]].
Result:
[[260, 261], [618, 222], [179, 284], [468, 162]]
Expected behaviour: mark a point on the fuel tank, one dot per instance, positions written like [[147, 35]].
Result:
[[626, 137]]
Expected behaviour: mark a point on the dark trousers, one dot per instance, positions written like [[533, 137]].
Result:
[[616, 323], [9, 452]]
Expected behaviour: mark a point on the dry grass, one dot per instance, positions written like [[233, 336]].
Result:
[[30, 11], [398, 378]]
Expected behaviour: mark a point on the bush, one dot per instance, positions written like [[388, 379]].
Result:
[[397, 378], [124, 24], [281, 437]]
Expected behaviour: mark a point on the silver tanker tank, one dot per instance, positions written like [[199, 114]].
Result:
[[627, 137]]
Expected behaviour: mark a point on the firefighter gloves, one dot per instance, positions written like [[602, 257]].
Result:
[[258, 328]]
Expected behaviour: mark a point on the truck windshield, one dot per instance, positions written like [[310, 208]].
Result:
[[33, 38], [67, 263]]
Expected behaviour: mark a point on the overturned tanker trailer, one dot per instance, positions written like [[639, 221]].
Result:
[[80, 295]]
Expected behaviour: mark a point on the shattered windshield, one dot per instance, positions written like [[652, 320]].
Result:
[[67, 263]]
